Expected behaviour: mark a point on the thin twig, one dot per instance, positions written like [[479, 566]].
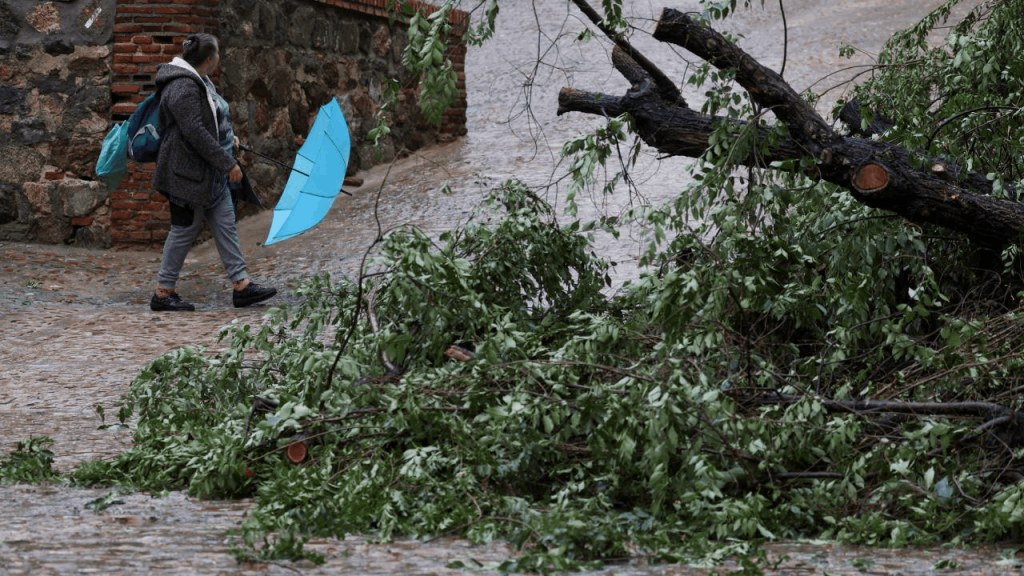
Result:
[[359, 293]]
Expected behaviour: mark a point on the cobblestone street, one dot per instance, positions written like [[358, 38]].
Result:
[[76, 327], [76, 324]]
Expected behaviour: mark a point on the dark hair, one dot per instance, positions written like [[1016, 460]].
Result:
[[198, 47]]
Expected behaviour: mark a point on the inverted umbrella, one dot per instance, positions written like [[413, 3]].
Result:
[[316, 177]]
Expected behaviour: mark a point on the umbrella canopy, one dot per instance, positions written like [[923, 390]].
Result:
[[316, 176]]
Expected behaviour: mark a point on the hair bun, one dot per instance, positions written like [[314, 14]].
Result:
[[186, 43]]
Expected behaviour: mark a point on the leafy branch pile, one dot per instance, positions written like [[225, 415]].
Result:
[[792, 364], [31, 462]]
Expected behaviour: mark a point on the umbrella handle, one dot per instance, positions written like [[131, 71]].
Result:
[[275, 161], [278, 162]]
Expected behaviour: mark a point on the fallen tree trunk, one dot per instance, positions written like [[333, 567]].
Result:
[[878, 174]]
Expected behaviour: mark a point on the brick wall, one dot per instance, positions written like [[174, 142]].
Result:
[[148, 33]]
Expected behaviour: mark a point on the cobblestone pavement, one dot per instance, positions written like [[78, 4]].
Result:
[[75, 327]]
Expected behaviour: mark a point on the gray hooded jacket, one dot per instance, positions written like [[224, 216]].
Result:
[[191, 164]]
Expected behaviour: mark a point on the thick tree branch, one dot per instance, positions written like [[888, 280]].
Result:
[[878, 174], [765, 86], [851, 116], [573, 100], [666, 88]]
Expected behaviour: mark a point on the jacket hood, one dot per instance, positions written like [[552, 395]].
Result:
[[179, 68]]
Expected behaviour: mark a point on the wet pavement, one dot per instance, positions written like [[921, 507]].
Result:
[[75, 325]]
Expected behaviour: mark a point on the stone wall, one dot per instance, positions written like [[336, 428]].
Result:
[[54, 111], [69, 69]]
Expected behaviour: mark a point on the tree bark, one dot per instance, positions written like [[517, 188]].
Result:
[[921, 189]]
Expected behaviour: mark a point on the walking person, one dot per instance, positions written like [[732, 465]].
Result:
[[194, 167]]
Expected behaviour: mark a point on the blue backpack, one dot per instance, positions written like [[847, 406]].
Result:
[[143, 138], [136, 138], [112, 166]]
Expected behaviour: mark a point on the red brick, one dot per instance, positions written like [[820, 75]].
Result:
[[125, 88], [121, 215], [81, 221], [54, 175], [172, 10], [142, 235], [140, 40]]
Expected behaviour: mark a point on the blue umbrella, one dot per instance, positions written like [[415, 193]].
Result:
[[316, 177]]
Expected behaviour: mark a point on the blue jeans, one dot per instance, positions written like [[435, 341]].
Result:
[[220, 218]]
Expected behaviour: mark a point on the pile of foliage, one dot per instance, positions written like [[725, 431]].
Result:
[[791, 364]]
